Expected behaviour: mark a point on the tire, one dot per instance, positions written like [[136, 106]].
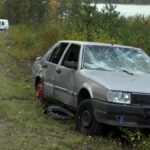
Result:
[[39, 91], [85, 119]]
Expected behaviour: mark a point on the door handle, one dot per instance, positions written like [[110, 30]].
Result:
[[58, 71]]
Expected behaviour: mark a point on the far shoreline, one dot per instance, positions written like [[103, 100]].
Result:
[[128, 10], [125, 4]]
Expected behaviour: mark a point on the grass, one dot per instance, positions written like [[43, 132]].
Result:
[[23, 126]]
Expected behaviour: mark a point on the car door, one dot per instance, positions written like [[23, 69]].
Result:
[[50, 69], [65, 76]]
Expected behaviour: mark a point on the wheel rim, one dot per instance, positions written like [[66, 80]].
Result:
[[39, 90], [86, 118]]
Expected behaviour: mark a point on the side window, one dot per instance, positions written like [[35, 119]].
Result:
[[3, 23], [57, 53], [72, 54]]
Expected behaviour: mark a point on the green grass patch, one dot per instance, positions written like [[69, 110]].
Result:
[[23, 126], [26, 42]]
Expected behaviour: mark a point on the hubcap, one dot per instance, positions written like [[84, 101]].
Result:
[[86, 118]]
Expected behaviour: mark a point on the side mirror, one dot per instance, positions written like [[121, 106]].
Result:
[[71, 64]]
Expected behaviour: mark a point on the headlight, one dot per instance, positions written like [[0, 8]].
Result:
[[119, 97]]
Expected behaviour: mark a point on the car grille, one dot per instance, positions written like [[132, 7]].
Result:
[[140, 99]]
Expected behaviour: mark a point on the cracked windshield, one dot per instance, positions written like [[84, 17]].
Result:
[[113, 58]]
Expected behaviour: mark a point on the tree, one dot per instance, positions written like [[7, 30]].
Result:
[[11, 10], [110, 19], [75, 7], [18, 11], [87, 14], [38, 10], [2, 8], [53, 6], [24, 11]]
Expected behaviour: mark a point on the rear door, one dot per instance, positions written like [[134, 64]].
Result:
[[50, 69], [65, 77]]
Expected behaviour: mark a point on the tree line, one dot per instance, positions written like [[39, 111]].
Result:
[[53, 20], [41, 10]]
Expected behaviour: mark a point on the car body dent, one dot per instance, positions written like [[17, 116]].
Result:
[[95, 90]]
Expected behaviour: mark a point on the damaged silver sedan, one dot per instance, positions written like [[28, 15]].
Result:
[[103, 83]]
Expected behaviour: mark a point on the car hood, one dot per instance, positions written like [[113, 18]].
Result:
[[120, 81]]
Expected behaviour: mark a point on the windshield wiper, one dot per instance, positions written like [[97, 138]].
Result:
[[126, 71], [104, 69]]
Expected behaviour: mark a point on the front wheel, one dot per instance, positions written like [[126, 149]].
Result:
[[85, 119]]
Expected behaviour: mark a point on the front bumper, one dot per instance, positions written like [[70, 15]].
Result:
[[122, 115]]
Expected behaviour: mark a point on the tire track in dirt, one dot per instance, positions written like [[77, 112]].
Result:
[[12, 72], [17, 61]]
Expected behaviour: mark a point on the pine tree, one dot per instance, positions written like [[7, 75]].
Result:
[[24, 11]]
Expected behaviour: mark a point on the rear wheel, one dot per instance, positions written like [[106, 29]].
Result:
[[85, 119]]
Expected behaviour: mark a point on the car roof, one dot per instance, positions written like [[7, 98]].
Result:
[[97, 43], [3, 20]]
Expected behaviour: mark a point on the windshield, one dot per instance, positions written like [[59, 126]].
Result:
[[113, 58]]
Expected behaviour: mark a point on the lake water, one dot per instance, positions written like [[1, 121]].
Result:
[[130, 10]]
